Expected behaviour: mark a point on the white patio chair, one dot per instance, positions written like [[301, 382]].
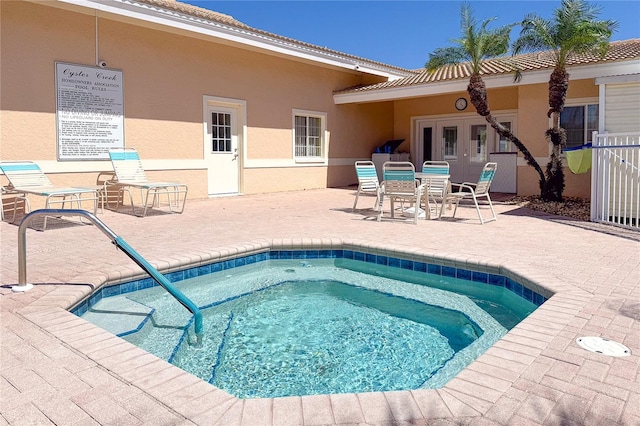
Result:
[[400, 184], [367, 181], [435, 177], [26, 178], [474, 191], [130, 174]]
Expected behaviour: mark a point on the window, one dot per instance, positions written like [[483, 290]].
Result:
[[579, 122], [450, 138], [478, 144], [504, 144], [220, 132], [309, 132]]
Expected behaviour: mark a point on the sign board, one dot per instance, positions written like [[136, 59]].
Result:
[[89, 111]]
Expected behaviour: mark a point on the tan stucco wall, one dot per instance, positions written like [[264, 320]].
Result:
[[531, 103], [405, 110], [165, 78]]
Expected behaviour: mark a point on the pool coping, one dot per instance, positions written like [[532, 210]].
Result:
[[471, 393]]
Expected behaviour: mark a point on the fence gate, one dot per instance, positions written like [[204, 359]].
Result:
[[615, 179]]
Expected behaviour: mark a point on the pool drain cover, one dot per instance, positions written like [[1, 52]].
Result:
[[603, 346]]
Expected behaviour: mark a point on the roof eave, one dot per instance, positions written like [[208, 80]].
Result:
[[256, 40], [504, 80]]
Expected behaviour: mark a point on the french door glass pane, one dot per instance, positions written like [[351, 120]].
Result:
[[504, 144], [478, 144], [450, 138]]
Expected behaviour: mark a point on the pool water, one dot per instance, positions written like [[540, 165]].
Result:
[[290, 327]]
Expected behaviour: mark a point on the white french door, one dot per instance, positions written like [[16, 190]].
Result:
[[465, 143]]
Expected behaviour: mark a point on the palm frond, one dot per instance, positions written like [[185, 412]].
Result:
[[445, 56], [574, 30], [476, 43]]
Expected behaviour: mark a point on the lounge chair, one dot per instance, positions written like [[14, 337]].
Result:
[[129, 173], [435, 175], [367, 181], [400, 184], [474, 191], [26, 178]]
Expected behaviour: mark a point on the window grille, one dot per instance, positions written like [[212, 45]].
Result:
[[220, 132], [308, 136]]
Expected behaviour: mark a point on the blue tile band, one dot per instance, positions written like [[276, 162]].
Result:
[[411, 265]]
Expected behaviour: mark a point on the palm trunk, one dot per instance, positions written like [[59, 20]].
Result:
[[478, 96], [558, 85]]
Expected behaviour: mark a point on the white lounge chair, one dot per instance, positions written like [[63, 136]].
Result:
[[435, 175], [367, 181], [400, 184], [26, 178], [130, 174], [474, 191]]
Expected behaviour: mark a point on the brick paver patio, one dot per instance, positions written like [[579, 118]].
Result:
[[56, 368]]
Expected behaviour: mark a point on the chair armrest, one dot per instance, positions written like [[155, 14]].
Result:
[[461, 187]]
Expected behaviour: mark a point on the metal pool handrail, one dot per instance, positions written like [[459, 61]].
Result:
[[119, 243]]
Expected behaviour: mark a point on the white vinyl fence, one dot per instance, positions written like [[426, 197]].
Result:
[[615, 179]]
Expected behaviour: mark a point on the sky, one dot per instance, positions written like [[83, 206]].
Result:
[[400, 33]]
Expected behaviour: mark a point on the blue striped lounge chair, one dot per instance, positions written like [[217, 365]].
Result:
[[27, 178], [129, 173]]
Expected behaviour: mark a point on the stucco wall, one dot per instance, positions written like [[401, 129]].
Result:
[[166, 76], [531, 103]]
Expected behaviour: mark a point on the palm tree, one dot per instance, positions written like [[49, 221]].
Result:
[[478, 43], [574, 30]]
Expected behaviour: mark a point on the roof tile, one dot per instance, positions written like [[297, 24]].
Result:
[[618, 51]]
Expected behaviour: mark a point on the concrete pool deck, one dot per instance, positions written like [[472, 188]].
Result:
[[56, 368]]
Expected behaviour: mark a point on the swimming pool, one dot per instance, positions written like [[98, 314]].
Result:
[[153, 320]]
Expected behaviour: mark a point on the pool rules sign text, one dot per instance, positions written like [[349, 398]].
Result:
[[90, 111]]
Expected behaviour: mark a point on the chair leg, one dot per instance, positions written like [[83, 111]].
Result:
[[475, 201], [493, 213], [146, 203], [380, 201], [455, 209], [356, 200], [494, 217]]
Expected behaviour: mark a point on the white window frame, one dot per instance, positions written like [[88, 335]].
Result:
[[324, 148], [581, 102]]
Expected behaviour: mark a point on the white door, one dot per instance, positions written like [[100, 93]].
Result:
[[465, 145], [221, 150]]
